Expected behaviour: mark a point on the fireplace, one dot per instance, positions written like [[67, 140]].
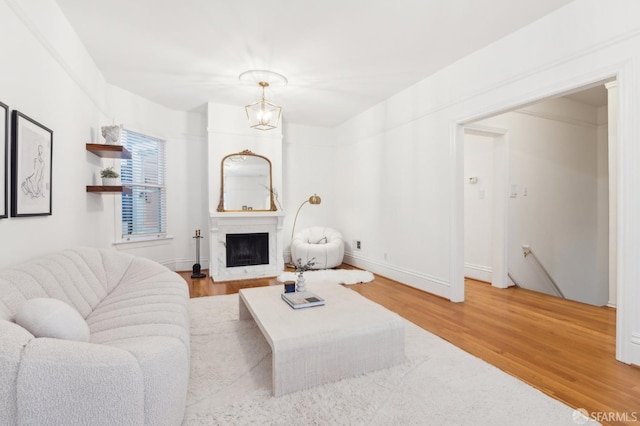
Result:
[[247, 249], [225, 227]]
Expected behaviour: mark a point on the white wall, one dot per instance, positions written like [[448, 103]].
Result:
[[401, 161], [48, 75], [309, 168], [478, 206], [187, 189], [553, 161], [394, 195]]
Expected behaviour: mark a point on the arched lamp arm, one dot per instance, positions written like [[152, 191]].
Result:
[[296, 218]]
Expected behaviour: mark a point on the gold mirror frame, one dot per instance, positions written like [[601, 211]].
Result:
[[246, 152]]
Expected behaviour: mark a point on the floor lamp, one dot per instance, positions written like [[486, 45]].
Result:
[[314, 199]]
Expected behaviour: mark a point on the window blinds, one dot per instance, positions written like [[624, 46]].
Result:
[[144, 210]]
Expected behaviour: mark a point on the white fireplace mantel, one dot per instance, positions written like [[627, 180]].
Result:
[[225, 223]]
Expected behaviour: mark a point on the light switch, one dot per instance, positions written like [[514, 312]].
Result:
[[514, 191]]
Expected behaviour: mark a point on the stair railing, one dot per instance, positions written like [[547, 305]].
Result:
[[528, 252]]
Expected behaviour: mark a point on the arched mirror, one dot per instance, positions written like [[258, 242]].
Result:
[[245, 183]]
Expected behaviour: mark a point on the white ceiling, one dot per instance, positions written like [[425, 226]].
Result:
[[340, 56]]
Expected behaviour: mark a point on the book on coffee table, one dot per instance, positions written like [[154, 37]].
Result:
[[302, 299]]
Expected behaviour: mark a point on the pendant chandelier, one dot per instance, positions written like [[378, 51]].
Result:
[[263, 114]]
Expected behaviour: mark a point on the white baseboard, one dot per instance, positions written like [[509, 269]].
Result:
[[414, 279], [478, 272]]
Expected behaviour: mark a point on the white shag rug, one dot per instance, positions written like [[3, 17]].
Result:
[[337, 276], [439, 384]]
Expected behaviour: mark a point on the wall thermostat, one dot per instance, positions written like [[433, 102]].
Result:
[[473, 180]]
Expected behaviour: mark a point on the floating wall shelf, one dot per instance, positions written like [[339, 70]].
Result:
[[117, 188], [109, 151]]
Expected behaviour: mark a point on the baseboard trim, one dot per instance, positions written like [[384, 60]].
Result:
[[411, 278], [478, 272], [414, 279]]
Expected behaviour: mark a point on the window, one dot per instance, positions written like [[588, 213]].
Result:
[[144, 210]]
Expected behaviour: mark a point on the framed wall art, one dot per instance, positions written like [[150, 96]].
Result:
[[4, 152], [31, 167]]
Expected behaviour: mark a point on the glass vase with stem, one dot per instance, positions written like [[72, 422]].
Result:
[[300, 270]]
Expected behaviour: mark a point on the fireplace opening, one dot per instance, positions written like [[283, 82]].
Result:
[[247, 249]]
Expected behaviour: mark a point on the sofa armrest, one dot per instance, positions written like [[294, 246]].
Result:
[[65, 382], [165, 365], [14, 339]]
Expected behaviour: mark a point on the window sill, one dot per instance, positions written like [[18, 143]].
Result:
[[141, 242]]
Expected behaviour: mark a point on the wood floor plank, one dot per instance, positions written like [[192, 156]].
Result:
[[565, 349]]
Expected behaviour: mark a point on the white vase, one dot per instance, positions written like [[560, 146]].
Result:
[[300, 284], [110, 182]]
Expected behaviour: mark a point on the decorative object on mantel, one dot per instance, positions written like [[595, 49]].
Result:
[[109, 176], [300, 270], [262, 114], [111, 134], [314, 199], [338, 276], [197, 272], [274, 194]]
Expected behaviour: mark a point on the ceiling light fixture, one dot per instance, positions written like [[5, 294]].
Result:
[[262, 114]]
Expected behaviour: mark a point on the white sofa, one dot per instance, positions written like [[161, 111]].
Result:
[[323, 245], [134, 369]]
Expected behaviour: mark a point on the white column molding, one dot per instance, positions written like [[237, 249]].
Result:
[[228, 133], [456, 224], [628, 211], [612, 108]]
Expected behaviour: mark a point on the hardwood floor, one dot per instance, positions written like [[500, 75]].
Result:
[[564, 348]]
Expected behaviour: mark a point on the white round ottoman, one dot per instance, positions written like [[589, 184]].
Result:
[[324, 245]]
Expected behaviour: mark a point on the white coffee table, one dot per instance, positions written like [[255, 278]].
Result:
[[348, 336]]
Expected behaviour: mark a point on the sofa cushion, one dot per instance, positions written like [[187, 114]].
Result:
[[47, 317], [81, 278]]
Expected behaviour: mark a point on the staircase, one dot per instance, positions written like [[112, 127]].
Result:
[[540, 279]]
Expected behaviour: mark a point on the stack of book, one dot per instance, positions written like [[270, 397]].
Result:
[[302, 299]]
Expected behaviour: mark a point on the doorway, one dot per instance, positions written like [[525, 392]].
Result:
[[557, 209], [485, 207]]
